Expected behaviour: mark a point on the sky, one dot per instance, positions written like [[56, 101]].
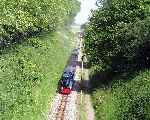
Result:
[[86, 7]]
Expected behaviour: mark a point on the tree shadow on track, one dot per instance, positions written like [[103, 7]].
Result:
[[72, 63]]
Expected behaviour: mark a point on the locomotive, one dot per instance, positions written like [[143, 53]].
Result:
[[67, 81]]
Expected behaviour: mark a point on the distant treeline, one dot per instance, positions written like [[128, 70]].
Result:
[[20, 18]]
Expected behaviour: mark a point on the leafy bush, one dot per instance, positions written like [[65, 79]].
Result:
[[126, 100], [132, 100]]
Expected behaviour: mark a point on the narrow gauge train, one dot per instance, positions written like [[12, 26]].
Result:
[[67, 82]]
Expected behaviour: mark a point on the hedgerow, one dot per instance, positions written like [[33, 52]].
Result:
[[124, 100], [132, 99]]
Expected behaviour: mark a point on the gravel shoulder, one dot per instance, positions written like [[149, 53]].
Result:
[[89, 110], [84, 99]]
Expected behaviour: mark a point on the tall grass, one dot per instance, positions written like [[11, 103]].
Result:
[[29, 73]]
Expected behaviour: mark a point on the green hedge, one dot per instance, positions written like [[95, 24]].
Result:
[[126, 100], [132, 100]]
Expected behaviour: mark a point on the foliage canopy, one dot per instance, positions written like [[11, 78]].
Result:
[[117, 44], [20, 18], [118, 34]]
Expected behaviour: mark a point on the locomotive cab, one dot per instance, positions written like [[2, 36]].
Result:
[[67, 83]]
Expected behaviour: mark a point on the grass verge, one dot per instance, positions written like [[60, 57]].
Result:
[[29, 74]]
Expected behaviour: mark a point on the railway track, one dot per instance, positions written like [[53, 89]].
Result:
[[61, 108], [65, 106]]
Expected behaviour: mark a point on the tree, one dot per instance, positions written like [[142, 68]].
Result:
[[116, 33]]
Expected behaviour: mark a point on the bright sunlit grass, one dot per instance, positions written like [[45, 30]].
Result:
[[30, 74]]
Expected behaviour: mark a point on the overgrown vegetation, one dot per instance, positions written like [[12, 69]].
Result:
[[118, 35], [128, 100], [29, 76], [23, 18], [33, 54], [117, 44]]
